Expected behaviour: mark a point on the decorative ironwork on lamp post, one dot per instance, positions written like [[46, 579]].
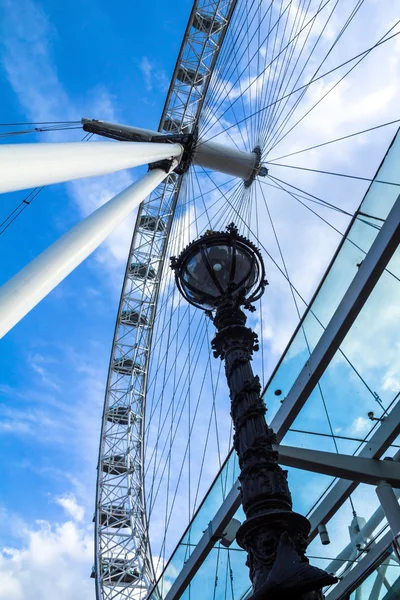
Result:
[[221, 272]]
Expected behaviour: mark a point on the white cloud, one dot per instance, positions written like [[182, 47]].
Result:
[[32, 74], [153, 76], [360, 426], [71, 506], [147, 70], [53, 561]]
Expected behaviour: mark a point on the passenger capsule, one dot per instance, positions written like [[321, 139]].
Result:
[[115, 516], [119, 414], [189, 76], [175, 126], [117, 571], [126, 366], [206, 24], [115, 465], [132, 317], [140, 271], [151, 223]]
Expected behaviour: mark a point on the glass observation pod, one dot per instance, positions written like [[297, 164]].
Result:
[[132, 317], [114, 571], [115, 516], [206, 24], [151, 223], [175, 126], [189, 76], [126, 366], [140, 271], [116, 465], [119, 414]]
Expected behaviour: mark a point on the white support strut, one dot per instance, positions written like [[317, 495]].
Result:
[[24, 166], [208, 154], [28, 287], [225, 159]]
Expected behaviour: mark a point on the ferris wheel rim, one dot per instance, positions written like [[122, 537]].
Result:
[[98, 567]]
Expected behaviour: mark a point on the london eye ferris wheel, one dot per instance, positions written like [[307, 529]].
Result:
[[250, 78]]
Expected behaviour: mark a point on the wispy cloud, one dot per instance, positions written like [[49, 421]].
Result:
[[71, 506], [154, 76], [32, 73], [53, 561]]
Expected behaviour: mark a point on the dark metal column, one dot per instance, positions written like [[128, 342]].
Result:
[[274, 536], [220, 272]]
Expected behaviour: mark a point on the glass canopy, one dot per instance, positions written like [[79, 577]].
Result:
[[362, 378]]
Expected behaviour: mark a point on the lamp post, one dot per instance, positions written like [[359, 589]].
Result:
[[221, 272]]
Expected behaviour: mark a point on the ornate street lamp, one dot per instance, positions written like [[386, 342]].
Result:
[[220, 273]]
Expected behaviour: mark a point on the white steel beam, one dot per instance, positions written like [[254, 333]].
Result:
[[390, 505], [380, 441], [354, 468], [372, 267], [378, 552], [225, 159], [24, 166], [28, 287], [365, 533], [207, 154]]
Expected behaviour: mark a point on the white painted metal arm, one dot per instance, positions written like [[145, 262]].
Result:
[[24, 166], [26, 289]]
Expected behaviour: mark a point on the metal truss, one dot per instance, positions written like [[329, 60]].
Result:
[[123, 562]]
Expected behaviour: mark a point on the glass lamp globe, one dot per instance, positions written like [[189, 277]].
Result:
[[217, 266]]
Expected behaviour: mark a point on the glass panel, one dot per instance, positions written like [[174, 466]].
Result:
[[209, 507], [383, 583], [220, 258], [362, 377], [242, 270], [198, 276]]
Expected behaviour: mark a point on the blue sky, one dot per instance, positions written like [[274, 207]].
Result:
[[62, 61], [65, 61]]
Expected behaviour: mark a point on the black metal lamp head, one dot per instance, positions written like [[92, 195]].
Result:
[[218, 266]]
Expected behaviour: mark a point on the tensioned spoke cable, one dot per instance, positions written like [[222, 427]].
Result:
[[287, 59], [272, 77], [360, 57], [154, 376], [344, 137], [281, 188], [252, 58], [298, 313], [187, 444], [279, 108], [235, 30], [365, 52], [39, 123], [307, 305], [273, 60], [236, 43], [311, 210], [36, 130], [338, 174], [271, 137], [337, 436], [308, 197], [242, 55]]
